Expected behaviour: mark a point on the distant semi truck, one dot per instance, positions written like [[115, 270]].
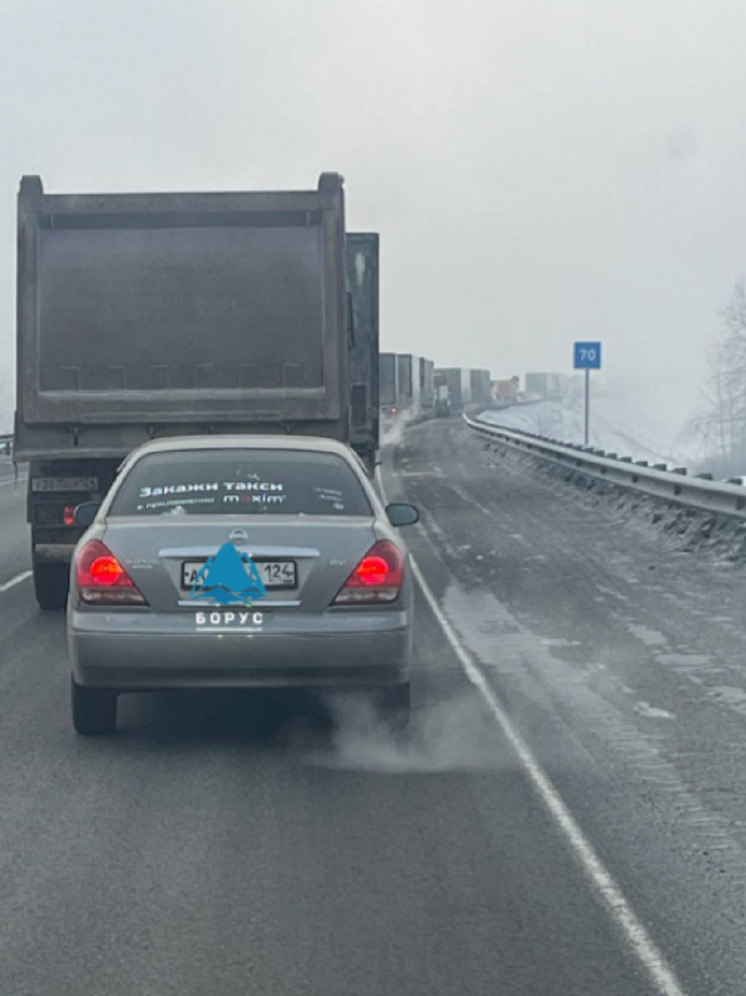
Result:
[[407, 389], [458, 381], [506, 390], [442, 399], [547, 385], [147, 315], [408, 385], [387, 383], [480, 387], [427, 387]]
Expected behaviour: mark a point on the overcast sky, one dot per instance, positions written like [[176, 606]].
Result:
[[539, 171]]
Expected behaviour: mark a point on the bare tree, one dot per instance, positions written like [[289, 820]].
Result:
[[722, 424]]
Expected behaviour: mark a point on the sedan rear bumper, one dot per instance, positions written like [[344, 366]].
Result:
[[328, 654]]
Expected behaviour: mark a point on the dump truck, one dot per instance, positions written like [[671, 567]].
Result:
[[148, 315]]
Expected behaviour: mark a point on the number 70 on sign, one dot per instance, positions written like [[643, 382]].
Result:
[[587, 356]]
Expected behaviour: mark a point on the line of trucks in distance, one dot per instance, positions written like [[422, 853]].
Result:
[[149, 315], [413, 388]]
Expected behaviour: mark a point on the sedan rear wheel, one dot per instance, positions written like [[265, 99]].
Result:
[[94, 709]]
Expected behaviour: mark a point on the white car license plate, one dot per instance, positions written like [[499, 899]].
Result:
[[274, 573]]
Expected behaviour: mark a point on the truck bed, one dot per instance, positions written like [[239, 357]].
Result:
[[152, 314]]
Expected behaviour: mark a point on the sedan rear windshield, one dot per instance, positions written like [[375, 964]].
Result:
[[241, 482]]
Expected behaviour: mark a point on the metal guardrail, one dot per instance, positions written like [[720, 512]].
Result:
[[699, 491], [6, 444]]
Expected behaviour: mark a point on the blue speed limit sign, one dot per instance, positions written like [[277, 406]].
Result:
[[587, 356]]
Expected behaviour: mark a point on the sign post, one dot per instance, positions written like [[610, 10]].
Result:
[[587, 356]]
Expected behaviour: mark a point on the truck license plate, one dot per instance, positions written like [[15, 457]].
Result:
[[64, 484]]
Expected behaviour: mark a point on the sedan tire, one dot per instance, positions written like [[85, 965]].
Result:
[[94, 709]]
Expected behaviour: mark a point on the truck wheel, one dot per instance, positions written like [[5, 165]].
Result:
[[393, 705], [51, 584], [94, 709]]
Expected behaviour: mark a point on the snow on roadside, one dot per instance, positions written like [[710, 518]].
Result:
[[613, 428], [683, 529]]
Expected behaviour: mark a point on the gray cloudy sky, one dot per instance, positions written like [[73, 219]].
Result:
[[539, 171]]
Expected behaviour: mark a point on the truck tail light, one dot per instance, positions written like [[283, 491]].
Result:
[[101, 578], [68, 515], [377, 578]]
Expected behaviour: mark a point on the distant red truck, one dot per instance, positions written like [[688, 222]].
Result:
[[506, 390]]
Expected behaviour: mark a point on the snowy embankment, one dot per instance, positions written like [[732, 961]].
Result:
[[686, 529], [613, 427]]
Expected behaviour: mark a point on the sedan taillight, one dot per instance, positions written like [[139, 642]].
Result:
[[377, 578], [102, 580]]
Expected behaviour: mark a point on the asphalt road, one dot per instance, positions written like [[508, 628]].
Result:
[[241, 844]]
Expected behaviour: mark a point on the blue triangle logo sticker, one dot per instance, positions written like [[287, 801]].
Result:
[[229, 578]]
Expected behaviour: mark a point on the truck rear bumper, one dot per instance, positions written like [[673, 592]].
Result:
[[53, 553]]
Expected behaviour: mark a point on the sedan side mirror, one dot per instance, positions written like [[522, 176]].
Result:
[[86, 512], [400, 514]]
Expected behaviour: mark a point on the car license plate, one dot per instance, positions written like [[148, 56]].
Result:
[[275, 574], [64, 484]]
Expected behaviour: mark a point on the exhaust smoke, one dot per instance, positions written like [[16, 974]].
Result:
[[448, 735]]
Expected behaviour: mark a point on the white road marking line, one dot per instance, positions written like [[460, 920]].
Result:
[[14, 581], [599, 877], [20, 480], [643, 945]]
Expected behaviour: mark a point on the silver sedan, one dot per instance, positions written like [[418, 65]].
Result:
[[239, 562]]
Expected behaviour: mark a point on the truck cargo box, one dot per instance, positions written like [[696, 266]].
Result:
[[458, 380], [546, 385], [387, 380], [408, 384], [427, 385], [155, 314], [480, 387], [362, 281]]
